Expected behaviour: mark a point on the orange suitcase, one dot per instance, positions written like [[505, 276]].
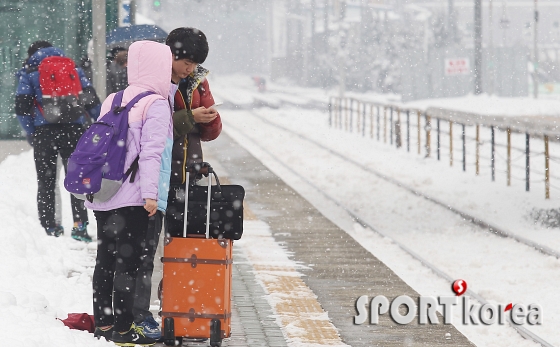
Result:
[[196, 289], [196, 284]]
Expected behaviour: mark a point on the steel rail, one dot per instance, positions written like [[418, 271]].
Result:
[[524, 332]]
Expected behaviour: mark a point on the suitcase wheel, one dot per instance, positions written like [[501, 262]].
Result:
[[215, 333], [169, 338]]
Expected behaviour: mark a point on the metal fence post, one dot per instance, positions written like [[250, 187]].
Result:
[[378, 123], [340, 113], [364, 119], [477, 159], [391, 125], [351, 126], [428, 133], [546, 169], [358, 120], [508, 132], [371, 121], [408, 130], [398, 138], [527, 162], [330, 111], [450, 143], [464, 149], [438, 142], [419, 138], [385, 124], [346, 114], [492, 156]]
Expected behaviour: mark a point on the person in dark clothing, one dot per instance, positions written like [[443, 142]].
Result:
[[86, 65], [117, 77], [51, 139], [194, 119]]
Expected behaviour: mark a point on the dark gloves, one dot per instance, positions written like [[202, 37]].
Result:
[[183, 123], [29, 138]]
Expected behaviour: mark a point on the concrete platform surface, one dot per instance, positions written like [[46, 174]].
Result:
[[337, 276]]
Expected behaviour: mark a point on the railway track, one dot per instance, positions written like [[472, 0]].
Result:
[[480, 224]]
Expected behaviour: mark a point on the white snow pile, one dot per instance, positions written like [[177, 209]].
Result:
[[42, 278]]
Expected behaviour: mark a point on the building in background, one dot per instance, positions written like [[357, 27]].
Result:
[[415, 48]]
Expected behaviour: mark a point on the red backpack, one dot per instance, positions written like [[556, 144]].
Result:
[[62, 90]]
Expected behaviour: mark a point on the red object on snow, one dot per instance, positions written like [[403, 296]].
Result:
[[260, 82], [80, 321]]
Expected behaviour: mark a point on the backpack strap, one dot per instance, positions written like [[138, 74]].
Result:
[[132, 170], [117, 100], [135, 100], [134, 166]]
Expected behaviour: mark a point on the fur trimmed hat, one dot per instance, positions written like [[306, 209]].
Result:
[[188, 43]]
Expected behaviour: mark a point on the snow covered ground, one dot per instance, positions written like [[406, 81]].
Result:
[[501, 270], [43, 278]]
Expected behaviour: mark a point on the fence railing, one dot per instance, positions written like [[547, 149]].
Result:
[[484, 142]]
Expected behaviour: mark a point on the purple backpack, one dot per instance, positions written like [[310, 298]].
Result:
[[96, 167]]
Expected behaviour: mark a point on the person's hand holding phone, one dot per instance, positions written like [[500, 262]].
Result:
[[204, 115], [213, 107]]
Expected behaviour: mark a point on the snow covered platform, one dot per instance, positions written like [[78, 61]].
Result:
[[296, 270], [301, 265]]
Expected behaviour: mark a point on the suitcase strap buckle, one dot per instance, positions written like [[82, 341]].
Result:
[[194, 261]]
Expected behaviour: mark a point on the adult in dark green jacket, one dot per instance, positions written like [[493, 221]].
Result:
[[194, 119]]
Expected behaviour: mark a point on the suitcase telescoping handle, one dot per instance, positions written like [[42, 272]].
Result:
[[203, 168], [186, 204]]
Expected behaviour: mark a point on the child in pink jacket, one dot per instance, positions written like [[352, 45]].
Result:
[[122, 221]]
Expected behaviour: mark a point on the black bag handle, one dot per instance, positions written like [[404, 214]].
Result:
[[205, 168]]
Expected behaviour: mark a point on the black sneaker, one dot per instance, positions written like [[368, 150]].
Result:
[[135, 336], [103, 333], [55, 231]]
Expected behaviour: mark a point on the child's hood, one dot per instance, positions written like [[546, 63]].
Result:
[[149, 66]]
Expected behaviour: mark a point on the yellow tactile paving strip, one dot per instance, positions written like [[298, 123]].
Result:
[[298, 310], [301, 316]]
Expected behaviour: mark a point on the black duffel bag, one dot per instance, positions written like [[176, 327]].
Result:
[[226, 207]]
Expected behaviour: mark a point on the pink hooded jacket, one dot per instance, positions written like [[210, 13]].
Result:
[[150, 132]]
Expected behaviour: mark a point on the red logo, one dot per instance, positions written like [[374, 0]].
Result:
[[86, 181], [459, 287]]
